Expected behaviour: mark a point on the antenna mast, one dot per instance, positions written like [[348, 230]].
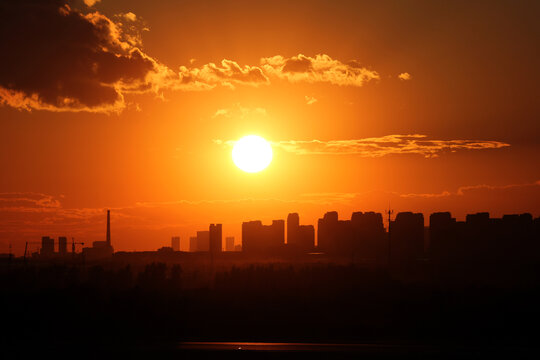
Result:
[[389, 212]]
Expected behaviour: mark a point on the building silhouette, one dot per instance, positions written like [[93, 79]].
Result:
[[203, 240], [192, 243], [443, 237], [481, 239], [300, 238], [165, 250], [47, 246], [263, 239], [62, 246], [407, 237], [369, 236], [363, 236], [175, 243], [108, 238], [229, 243], [215, 238], [327, 232]]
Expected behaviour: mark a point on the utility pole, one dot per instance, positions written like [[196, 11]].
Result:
[[389, 212]]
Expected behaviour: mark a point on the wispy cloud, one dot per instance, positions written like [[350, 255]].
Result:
[[381, 146], [385, 145], [90, 3], [405, 76], [28, 201], [464, 190], [240, 112], [310, 100]]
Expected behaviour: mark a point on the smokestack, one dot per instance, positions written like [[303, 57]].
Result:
[[109, 227]]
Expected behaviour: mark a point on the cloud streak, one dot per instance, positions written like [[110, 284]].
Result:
[[310, 100], [385, 145], [405, 76], [381, 146]]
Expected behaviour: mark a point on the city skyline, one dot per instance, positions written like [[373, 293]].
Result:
[[269, 179], [364, 236], [365, 105]]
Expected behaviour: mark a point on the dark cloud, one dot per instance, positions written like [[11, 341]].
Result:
[[57, 58]]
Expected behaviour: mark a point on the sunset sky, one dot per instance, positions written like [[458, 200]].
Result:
[[133, 105]]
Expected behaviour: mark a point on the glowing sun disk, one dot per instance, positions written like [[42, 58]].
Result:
[[252, 153]]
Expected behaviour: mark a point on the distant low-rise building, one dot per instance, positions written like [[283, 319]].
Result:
[[165, 250], [229, 243], [175, 243], [192, 243], [203, 240]]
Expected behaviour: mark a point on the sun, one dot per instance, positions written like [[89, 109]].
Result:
[[252, 153]]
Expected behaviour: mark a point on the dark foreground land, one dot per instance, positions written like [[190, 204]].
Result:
[[271, 310]]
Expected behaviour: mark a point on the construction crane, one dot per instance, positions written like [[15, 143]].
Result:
[[26, 247], [73, 243]]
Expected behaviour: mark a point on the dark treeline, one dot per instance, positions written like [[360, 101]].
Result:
[[322, 302]]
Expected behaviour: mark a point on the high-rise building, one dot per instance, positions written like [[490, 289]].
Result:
[[47, 246], [327, 232], [215, 238], [407, 236], [108, 239], [293, 223], [193, 243], [62, 245], [203, 240], [369, 240], [263, 239], [443, 240], [229, 243], [299, 237], [175, 243]]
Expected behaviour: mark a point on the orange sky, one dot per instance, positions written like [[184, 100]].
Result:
[[128, 105]]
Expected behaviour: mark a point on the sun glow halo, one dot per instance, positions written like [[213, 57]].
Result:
[[252, 153]]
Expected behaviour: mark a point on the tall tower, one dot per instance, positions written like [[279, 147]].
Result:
[[215, 238], [109, 227], [293, 223]]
